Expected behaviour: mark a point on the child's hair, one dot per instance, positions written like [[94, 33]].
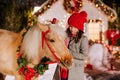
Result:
[[78, 36]]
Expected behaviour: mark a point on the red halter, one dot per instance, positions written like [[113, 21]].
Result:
[[52, 51]]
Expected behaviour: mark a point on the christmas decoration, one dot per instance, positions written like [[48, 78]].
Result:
[[94, 21], [45, 7], [110, 13], [115, 59], [67, 6], [54, 21], [112, 35], [28, 72], [72, 8], [116, 55]]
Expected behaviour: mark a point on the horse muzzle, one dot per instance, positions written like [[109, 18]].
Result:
[[66, 62]]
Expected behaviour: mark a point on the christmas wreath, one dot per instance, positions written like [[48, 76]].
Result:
[[28, 72], [77, 5]]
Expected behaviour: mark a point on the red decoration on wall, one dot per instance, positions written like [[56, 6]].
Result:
[[113, 35], [54, 21]]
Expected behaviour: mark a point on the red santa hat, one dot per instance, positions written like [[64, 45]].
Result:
[[77, 20]]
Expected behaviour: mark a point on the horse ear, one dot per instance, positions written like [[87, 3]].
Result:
[[42, 27]]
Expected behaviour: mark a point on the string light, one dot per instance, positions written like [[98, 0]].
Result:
[[45, 7], [94, 20], [110, 13]]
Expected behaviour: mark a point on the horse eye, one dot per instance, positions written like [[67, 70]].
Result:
[[51, 40]]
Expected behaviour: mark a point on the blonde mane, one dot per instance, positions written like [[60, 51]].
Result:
[[31, 42]]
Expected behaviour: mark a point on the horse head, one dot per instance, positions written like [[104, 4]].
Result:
[[53, 44]]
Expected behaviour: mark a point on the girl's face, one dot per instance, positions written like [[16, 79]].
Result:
[[73, 30]]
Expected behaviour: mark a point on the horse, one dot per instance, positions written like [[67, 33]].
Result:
[[41, 40]]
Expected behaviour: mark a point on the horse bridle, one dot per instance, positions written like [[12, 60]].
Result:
[[52, 51]]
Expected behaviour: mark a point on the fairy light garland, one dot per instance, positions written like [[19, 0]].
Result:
[[67, 6], [45, 7], [116, 55], [72, 8], [94, 21], [109, 12], [77, 5]]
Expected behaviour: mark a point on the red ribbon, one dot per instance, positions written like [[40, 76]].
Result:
[[43, 37], [52, 51]]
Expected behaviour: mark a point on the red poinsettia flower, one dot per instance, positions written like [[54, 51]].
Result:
[[30, 73]]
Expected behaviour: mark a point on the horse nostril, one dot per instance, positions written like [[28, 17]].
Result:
[[67, 62]]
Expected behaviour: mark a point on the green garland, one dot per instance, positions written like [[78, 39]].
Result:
[[39, 69]]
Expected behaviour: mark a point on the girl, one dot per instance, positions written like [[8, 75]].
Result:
[[78, 44]]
